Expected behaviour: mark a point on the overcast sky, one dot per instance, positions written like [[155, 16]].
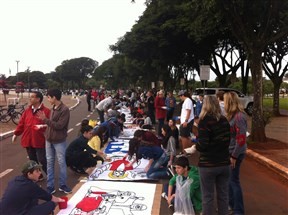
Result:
[[43, 33]]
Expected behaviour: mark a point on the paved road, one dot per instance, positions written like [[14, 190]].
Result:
[[264, 192]]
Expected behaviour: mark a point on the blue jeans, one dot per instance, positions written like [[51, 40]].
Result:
[[59, 150], [235, 190], [158, 168], [211, 177]]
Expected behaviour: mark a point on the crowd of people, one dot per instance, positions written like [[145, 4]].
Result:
[[218, 125]]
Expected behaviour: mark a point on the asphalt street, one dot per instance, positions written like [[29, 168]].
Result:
[[264, 191]]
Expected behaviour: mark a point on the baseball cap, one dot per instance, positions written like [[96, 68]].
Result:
[[181, 93], [29, 166]]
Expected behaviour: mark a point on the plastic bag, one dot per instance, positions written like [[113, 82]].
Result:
[[183, 203]]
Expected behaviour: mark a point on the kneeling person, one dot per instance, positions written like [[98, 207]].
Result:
[[22, 194], [80, 155]]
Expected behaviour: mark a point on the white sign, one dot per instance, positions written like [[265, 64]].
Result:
[[204, 72], [152, 85], [182, 81]]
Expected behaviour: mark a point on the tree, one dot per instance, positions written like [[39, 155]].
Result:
[[275, 68]]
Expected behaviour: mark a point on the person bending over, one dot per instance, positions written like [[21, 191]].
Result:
[[79, 154]]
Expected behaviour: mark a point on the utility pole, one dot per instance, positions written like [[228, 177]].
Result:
[[17, 61]]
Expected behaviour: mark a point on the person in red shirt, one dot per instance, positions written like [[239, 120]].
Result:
[[33, 139], [160, 109]]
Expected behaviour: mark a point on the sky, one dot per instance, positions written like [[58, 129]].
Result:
[[43, 33]]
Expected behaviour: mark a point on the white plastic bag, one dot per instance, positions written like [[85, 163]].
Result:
[[183, 203]]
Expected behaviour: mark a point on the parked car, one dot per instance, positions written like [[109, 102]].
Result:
[[246, 101]]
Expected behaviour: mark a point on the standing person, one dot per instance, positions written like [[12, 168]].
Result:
[[88, 99], [150, 106], [186, 119], [238, 124], [103, 107], [220, 97], [79, 155], [160, 109], [170, 103], [22, 194], [187, 184], [214, 160], [33, 139], [199, 104], [56, 134]]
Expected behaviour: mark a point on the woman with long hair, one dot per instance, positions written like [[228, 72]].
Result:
[[237, 118], [168, 143], [214, 160]]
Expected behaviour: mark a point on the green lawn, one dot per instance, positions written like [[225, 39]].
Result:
[[268, 102]]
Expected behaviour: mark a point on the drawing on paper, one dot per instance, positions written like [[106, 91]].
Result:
[[117, 169], [98, 201]]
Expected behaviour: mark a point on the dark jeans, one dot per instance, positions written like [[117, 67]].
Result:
[[38, 155], [45, 208], [89, 105], [170, 113], [83, 160], [211, 177], [158, 168], [160, 126], [101, 115], [152, 116], [235, 190]]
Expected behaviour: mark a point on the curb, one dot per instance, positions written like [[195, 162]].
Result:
[[10, 133], [279, 169]]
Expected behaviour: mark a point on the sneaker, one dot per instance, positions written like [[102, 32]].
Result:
[[51, 190], [65, 189]]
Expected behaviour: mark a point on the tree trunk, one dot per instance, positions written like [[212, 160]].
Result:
[[258, 127]]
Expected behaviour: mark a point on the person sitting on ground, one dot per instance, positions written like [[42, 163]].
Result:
[[22, 194], [147, 124], [174, 131], [168, 143], [157, 165], [79, 154], [185, 183], [97, 141]]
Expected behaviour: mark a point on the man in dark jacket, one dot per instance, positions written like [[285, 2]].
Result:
[[79, 154], [22, 194]]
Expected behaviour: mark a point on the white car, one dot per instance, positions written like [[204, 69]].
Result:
[[246, 101]]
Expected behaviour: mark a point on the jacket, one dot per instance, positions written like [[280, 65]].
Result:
[[195, 190], [160, 112], [57, 124], [20, 196], [32, 137]]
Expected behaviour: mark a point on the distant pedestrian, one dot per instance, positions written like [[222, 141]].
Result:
[[32, 130], [170, 103], [88, 99], [199, 104], [186, 119], [150, 106], [160, 109], [22, 194], [56, 134]]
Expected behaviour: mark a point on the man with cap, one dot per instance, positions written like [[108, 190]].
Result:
[[22, 194], [186, 119]]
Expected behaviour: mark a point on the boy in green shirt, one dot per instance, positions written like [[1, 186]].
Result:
[[187, 178]]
